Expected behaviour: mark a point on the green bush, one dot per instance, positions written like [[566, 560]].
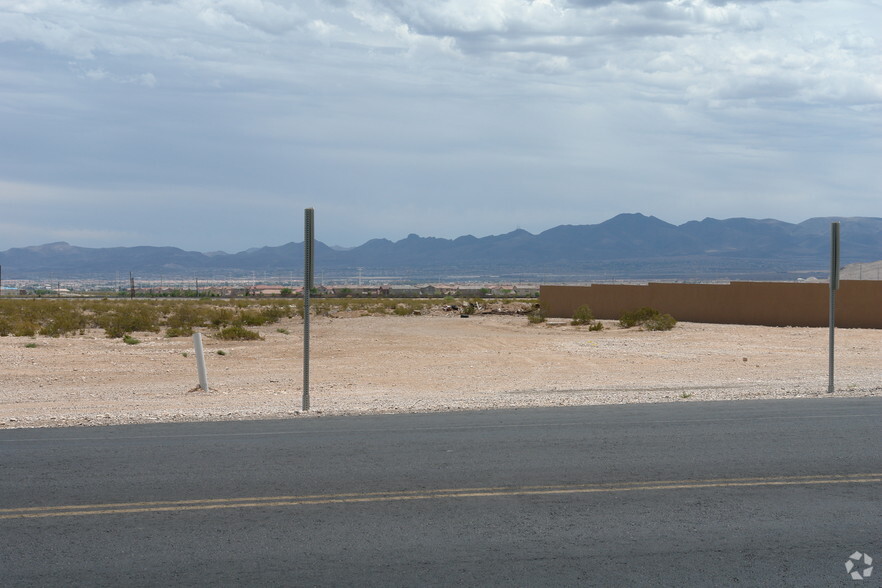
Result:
[[636, 317], [183, 319], [129, 317], [220, 317], [647, 318], [250, 318], [258, 316], [129, 340], [583, 316], [26, 318], [25, 329], [662, 322], [65, 318], [238, 333], [179, 332], [537, 315], [274, 313]]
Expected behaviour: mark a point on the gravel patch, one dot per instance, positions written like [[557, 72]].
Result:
[[418, 364]]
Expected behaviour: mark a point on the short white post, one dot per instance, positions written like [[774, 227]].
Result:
[[200, 361]]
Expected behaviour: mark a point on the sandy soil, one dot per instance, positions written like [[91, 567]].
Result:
[[421, 363]]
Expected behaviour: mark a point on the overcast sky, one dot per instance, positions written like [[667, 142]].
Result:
[[211, 124]]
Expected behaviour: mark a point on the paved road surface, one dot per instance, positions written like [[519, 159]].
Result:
[[750, 493]]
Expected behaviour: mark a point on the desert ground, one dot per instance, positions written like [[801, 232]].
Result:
[[442, 362]]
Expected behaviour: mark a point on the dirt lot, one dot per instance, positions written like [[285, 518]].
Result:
[[420, 363]]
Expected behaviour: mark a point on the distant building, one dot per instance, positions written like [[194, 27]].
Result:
[[400, 291], [862, 271], [267, 290]]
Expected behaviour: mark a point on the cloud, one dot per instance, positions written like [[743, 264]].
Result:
[[399, 116], [40, 235], [239, 41]]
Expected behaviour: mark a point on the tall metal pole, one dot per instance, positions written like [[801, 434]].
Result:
[[834, 285], [308, 258]]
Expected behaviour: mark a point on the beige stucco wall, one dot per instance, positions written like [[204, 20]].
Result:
[[780, 304]]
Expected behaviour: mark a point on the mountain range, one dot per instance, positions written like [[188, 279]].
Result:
[[626, 247]]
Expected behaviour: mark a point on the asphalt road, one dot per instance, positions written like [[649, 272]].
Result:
[[749, 493]]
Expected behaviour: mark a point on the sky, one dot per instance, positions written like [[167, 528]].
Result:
[[211, 125]]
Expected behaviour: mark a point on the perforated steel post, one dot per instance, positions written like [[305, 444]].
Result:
[[834, 285], [308, 258]]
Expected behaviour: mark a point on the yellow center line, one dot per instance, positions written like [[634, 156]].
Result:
[[352, 498]]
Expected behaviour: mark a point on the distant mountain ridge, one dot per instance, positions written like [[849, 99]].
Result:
[[628, 246]]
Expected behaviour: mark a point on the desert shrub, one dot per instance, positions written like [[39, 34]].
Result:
[[321, 307], [238, 333], [633, 318], [251, 318], [183, 319], [186, 316], [24, 329], [375, 307], [24, 318], [129, 317], [129, 340], [583, 316], [21, 318], [298, 308], [183, 331], [274, 313], [62, 318], [647, 318], [662, 322], [537, 315], [598, 326], [259, 315], [220, 317]]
